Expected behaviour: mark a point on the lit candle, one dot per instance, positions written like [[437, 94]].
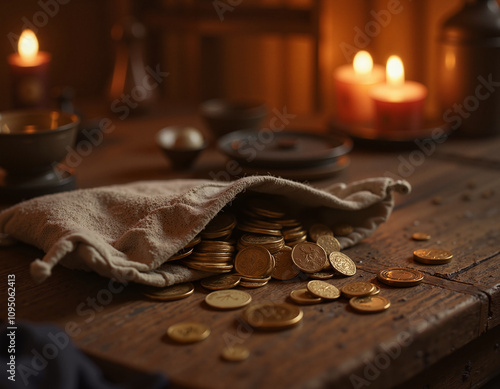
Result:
[[29, 70], [353, 83], [399, 104]]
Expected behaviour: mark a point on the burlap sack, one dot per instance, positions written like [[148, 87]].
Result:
[[128, 232]]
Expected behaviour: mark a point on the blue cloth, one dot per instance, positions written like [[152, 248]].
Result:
[[45, 358]]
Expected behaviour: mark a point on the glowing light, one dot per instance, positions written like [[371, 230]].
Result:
[[28, 46], [363, 63], [395, 71]]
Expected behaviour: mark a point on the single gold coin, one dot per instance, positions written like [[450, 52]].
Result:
[[420, 236], [254, 261], [369, 303], [432, 256], [317, 230], [342, 263], [358, 289], [225, 281], [228, 299], [322, 275], [236, 353], [400, 277], [170, 293], [342, 229], [272, 316], [329, 243], [309, 257], [188, 332], [304, 297], [323, 290], [284, 269]]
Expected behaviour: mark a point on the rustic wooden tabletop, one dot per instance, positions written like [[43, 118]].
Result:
[[443, 333]]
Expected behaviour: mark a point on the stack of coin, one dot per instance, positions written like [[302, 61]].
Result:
[[294, 235], [269, 242], [215, 252]]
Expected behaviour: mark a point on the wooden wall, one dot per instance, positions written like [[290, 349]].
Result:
[[276, 68]]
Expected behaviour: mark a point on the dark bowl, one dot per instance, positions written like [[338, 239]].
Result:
[[33, 140], [225, 116]]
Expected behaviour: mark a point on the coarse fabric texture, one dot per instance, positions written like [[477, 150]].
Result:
[[128, 232]]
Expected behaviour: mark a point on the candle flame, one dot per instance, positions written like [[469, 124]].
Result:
[[395, 71], [363, 63], [28, 46]]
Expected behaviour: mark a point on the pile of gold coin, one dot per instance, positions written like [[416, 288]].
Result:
[[260, 240]]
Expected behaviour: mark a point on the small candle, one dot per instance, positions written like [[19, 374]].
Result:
[[29, 70], [353, 84], [399, 104]]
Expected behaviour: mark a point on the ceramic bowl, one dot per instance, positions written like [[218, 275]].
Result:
[[181, 145], [225, 116]]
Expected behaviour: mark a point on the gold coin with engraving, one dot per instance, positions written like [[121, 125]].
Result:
[[400, 277], [254, 261], [342, 229], [228, 299], [188, 332], [342, 263], [370, 304], [304, 297], [317, 230], [272, 316], [309, 257], [329, 243], [225, 281], [358, 288], [236, 353], [284, 269], [170, 293], [323, 290], [432, 256], [322, 275], [420, 236]]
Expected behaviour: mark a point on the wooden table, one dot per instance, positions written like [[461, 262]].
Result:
[[444, 333]]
